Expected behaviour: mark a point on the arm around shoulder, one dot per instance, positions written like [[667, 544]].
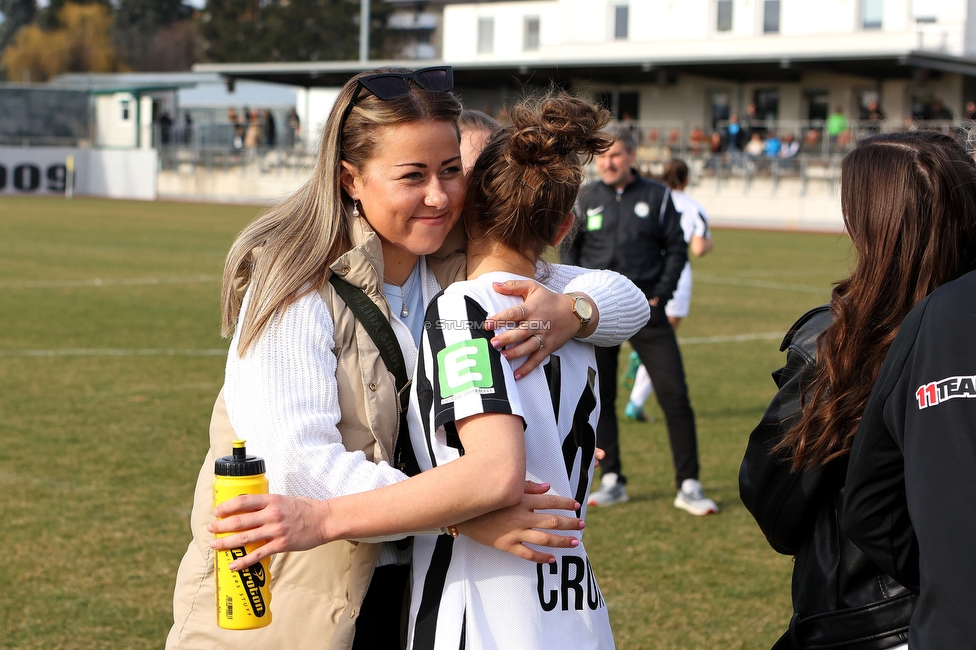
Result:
[[621, 307]]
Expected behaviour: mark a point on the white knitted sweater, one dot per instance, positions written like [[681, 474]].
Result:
[[282, 396]]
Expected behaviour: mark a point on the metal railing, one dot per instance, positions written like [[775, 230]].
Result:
[[815, 158]]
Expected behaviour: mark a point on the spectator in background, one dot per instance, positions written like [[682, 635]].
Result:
[[734, 135], [836, 128], [772, 146], [971, 110], [187, 128], [252, 136], [694, 225], [295, 126], [754, 148], [715, 142], [872, 111], [790, 146], [812, 142], [237, 129], [752, 123], [695, 140], [270, 135], [165, 127], [872, 114], [629, 224]]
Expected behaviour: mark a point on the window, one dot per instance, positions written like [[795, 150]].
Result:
[[872, 12], [125, 109], [486, 35], [621, 16], [771, 17], [721, 109], [530, 35], [818, 104], [766, 101], [723, 15]]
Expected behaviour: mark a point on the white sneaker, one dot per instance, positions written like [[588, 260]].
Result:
[[693, 499], [611, 491]]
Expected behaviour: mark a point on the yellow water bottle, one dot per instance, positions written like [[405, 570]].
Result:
[[243, 597]]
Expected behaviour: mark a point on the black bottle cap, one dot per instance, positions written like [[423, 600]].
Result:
[[240, 464]]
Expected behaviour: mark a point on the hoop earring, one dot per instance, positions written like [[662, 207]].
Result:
[[355, 208]]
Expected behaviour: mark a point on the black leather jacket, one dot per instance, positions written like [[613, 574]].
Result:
[[840, 598]]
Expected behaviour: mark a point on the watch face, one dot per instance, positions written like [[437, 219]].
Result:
[[583, 308]]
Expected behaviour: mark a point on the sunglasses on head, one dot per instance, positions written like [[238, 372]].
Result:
[[390, 85]]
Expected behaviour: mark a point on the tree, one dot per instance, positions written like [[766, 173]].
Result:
[[282, 30], [175, 47], [16, 13], [82, 44], [156, 34], [50, 17]]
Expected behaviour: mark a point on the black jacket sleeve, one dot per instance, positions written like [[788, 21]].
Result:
[[675, 250], [875, 508], [784, 502]]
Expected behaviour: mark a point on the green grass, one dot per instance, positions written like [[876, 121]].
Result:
[[99, 453]]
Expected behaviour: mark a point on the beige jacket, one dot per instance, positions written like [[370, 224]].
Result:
[[315, 595]]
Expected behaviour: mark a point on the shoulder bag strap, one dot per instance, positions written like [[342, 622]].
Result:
[[381, 332]]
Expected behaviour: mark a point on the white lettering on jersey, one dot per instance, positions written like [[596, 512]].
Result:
[[937, 392]]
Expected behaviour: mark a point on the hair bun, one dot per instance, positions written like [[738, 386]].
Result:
[[554, 127]]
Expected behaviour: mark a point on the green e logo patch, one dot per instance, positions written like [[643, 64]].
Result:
[[464, 366]]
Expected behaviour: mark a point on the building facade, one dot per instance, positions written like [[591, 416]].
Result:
[[698, 62]]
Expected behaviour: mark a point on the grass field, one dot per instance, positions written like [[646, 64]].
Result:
[[110, 358]]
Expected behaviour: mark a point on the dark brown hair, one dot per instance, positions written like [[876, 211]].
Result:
[[909, 204], [527, 178], [675, 174]]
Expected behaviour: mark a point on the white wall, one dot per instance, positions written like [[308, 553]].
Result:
[[671, 29], [112, 173], [112, 129], [313, 106]]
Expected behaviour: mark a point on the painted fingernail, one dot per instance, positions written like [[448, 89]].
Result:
[[495, 343], [517, 375], [498, 284], [576, 505], [574, 543], [551, 560], [545, 486], [582, 524]]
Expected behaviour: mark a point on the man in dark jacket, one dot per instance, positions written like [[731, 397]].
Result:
[[628, 224]]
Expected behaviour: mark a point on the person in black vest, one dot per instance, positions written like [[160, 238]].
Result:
[[627, 223]]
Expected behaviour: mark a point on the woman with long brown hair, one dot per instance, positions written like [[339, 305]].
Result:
[[909, 205]]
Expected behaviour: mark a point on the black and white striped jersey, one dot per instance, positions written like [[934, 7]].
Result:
[[466, 595]]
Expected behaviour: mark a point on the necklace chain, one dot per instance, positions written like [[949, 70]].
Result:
[[404, 310]]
